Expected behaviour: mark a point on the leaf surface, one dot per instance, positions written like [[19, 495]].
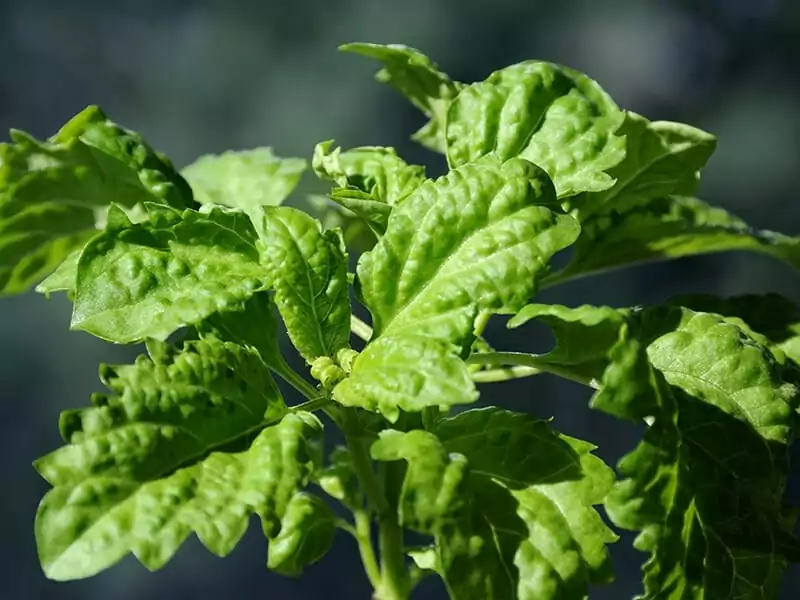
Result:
[[306, 534], [149, 279], [54, 192], [190, 440], [307, 268], [550, 115], [417, 78]]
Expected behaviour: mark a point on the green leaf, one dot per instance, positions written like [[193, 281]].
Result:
[[553, 116], [705, 486], [252, 324], [149, 279], [407, 372], [52, 193], [169, 453], [307, 268], [509, 503], [666, 228], [662, 158], [63, 278], [772, 316], [339, 479], [417, 78], [246, 179], [370, 180], [584, 335], [306, 535], [478, 238]]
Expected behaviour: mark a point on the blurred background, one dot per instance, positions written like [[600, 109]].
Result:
[[201, 76]]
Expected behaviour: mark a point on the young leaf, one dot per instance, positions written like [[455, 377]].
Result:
[[143, 468], [306, 534], [63, 278], [370, 180], [553, 116], [149, 279], [705, 486], [407, 372], [417, 78], [665, 228], [584, 335], [246, 179], [476, 239], [52, 192], [339, 479], [307, 268], [661, 159]]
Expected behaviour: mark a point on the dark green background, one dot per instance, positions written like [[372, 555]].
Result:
[[196, 77]]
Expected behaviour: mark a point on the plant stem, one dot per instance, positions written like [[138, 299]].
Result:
[[311, 405], [481, 322], [294, 379], [393, 581], [364, 539], [360, 328], [528, 360], [504, 374]]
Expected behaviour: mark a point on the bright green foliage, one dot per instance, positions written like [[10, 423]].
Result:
[[661, 158], [149, 279], [370, 180], [447, 250], [52, 192], [415, 76], [245, 180], [307, 268], [195, 436], [553, 116]]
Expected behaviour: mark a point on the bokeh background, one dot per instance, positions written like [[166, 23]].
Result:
[[202, 76]]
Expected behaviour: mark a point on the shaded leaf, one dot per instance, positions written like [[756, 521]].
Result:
[[306, 534], [667, 228]]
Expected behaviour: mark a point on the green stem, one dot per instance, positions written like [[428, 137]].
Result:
[[481, 322], [294, 379], [529, 360], [393, 584], [360, 328], [504, 374], [364, 538], [311, 405]]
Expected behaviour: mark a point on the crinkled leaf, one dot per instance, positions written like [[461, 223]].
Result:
[[306, 534], [339, 479], [370, 180], [662, 158], [705, 486], [476, 239], [149, 279], [542, 539], [584, 335], [551, 115], [167, 454], [417, 78], [670, 227], [246, 179], [407, 372], [772, 316], [52, 193], [307, 268]]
